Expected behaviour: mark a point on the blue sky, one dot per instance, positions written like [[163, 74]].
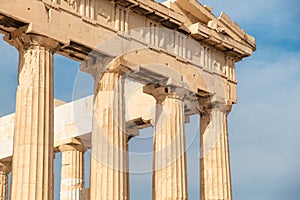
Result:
[[264, 125]]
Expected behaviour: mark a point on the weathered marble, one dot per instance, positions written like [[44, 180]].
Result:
[[109, 159], [74, 119], [215, 181], [5, 168], [169, 180], [32, 169], [72, 170], [181, 40]]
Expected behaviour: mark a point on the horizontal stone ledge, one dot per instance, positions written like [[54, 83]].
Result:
[[74, 119]]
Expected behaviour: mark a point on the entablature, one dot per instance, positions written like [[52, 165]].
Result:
[[220, 32], [78, 25]]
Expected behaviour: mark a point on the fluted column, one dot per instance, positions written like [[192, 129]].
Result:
[[109, 159], [215, 181], [72, 171], [32, 169], [4, 171], [169, 181], [82, 7]]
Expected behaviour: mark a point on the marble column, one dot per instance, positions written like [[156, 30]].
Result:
[[32, 167], [109, 153], [215, 181], [4, 171], [72, 171], [169, 181]]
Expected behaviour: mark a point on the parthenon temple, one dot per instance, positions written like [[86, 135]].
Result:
[[176, 56]]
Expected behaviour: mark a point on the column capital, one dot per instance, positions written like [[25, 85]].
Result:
[[160, 93], [23, 41], [209, 104], [98, 65], [74, 145], [5, 166]]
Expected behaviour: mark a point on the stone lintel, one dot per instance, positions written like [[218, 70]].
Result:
[[197, 79], [65, 124]]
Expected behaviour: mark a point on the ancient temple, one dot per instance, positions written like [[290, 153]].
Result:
[[183, 56]]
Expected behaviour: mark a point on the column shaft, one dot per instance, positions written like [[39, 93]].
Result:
[[3, 185], [82, 7], [109, 159], [170, 173], [92, 9], [4, 171], [215, 180], [32, 170], [72, 172]]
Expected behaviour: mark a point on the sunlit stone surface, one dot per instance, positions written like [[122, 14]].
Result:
[[178, 52]]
